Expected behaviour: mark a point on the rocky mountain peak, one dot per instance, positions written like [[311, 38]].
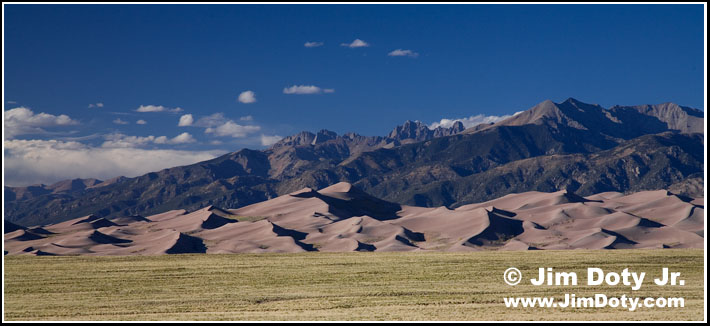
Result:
[[410, 130], [456, 128], [301, 138], [324, 136]]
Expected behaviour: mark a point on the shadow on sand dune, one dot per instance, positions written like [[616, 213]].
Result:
[[355, 202]]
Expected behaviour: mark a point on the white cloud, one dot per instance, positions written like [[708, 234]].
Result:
[[306, 89], [246, 118], [470, 121], [20, 121], [182, 138], [247, 97], [313, 44], [232, 129], [96, 105], [357, 43], [217, 124], [403, 53], [141, 122], [211, 120], [185, 120], [118, 121], [156, 108], [269, 140], [48, 161], [118, 140]]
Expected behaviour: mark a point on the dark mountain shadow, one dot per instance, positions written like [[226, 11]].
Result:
[[99, 237], [11, 227], [187, 244], [574, 198], [297, 236], [356, 203], [620, 239], [500, 230], [214, 221]]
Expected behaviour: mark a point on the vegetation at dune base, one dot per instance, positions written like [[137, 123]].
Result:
[[334, 286]]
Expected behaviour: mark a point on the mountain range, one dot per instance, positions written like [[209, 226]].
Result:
[[570, 146]]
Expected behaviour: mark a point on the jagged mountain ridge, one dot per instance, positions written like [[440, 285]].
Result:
[[616, 122], [404, 171], [29, 192]]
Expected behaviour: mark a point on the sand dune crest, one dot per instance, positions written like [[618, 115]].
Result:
[[342, 217]]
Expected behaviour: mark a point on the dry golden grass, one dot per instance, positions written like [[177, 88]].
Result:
[[332, 286]]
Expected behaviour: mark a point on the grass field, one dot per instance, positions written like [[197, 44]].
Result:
[[337, 286]]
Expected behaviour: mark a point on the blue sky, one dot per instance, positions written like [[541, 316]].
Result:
[[463, 60]]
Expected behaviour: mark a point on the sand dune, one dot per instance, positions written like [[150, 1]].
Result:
[[343, 218], [207, 218]]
